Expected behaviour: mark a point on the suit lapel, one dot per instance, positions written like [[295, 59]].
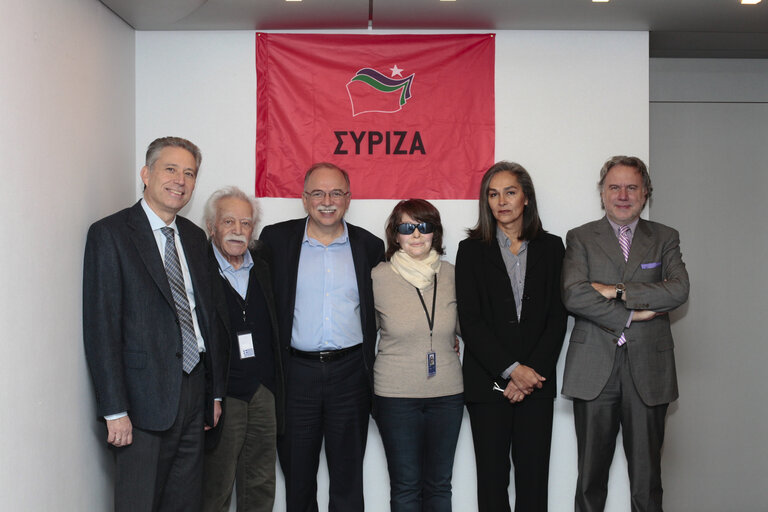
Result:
[[642, 241], [294, 251], [144, 241], [496, 261], [359, 258], [606, 239], [533, 258], [196, 265]]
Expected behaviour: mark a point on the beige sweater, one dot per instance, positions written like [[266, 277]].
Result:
[[401, 362]]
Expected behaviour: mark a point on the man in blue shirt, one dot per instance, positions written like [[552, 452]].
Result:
[[324, 297]]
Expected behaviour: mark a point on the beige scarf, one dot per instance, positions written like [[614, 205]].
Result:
[[420, 273]]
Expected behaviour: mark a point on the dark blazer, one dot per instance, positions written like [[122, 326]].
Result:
[[284, 241], [131, 332], [655, 279], [493, 337], [262, 273]]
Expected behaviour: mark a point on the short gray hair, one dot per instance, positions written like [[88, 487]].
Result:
[[157, 145], [211, 207], [629, 161]]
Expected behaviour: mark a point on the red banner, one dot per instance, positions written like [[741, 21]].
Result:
[[405, 115]]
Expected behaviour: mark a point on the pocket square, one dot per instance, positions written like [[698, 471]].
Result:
[[646, 266]]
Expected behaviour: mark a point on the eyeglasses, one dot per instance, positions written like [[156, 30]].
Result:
[[319, 195], [407, 228]]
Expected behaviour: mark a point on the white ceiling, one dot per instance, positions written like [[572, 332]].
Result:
[[678, 28]]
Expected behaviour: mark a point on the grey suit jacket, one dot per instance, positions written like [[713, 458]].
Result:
[[655, 278], [130, 328]]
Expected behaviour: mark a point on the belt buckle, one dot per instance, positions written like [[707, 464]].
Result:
[[325, 356]]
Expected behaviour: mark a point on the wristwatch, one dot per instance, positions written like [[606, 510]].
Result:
[[620, 289]]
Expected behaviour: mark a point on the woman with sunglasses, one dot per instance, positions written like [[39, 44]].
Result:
[[513, 323], [417, 375]]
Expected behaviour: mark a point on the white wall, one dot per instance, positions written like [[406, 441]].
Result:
[[709, 154], [565, 102], [67, 145]]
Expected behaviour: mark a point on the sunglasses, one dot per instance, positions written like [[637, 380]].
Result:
[[407, 228]]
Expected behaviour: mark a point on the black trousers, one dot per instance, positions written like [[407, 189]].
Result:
[[328, 401], [522, 431], [163, 471]]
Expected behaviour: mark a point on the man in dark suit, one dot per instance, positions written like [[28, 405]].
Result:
[[621, 275], [323, 291], [242, 448], [147, 326]]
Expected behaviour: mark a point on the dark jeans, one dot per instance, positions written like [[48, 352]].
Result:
[[420, 436]]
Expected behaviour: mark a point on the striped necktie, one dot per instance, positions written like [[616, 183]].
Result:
[[625, 242], [179, 291]]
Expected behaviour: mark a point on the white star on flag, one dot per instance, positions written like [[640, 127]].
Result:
[[396, 71]]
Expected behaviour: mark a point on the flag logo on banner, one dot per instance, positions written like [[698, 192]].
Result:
[[405, 115], [371, 91]]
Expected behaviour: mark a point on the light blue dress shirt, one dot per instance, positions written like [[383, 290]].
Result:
[[238, 278], [326, 315]]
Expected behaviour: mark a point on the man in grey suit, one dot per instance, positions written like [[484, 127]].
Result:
[[621, 275], [149, 340]]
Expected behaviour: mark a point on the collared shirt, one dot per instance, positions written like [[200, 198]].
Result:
[[156, 223], [326, 315], [632, 226], [515, 265], [238, 278]]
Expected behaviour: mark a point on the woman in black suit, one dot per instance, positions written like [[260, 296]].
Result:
[[513, 323]]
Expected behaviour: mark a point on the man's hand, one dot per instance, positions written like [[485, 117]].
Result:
[[513, 393], [120, 432], [643, 315], [216, 414], [606, 290], [526, 379], [456, 346]]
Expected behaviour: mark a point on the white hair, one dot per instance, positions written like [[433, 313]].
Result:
[[211, 207]]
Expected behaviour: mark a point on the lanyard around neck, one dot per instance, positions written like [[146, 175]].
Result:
[[430, 320]]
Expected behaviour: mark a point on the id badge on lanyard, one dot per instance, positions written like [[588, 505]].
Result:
[[431, 356]]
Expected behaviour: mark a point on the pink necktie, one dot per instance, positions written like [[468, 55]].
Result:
[[624, 242]]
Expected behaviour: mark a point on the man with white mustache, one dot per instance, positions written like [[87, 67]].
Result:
[[322, 271], [242, 448]]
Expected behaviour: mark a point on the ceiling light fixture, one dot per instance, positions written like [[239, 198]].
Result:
[[750, 2], [600, 1]]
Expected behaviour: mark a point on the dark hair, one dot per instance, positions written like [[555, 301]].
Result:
[[420, 211], [629, 161], [485, 229], [157, 145], [327, 165]]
